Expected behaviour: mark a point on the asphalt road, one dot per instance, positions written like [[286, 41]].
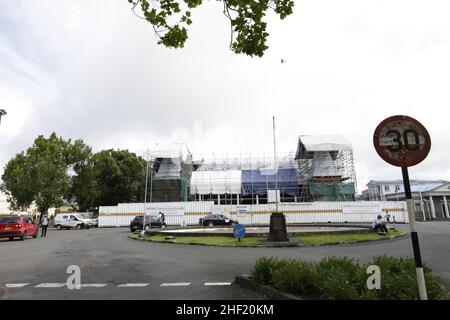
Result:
[[115, 267]]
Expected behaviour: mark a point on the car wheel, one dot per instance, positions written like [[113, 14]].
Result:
[[58, 227], [211, 224], [11, 238], [78, 226], [24, 236]]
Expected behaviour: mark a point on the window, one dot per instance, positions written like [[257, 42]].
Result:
[[397, 187], [386, 187]]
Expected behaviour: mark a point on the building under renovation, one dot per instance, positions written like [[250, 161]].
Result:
[[320, 169]]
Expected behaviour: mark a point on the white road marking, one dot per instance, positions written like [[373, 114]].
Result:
[[179, 284], [125, 285], [93, 285], [50, 285], [217, 283], [133, 285], [16, 285]]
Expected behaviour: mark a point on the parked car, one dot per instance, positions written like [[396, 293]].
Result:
[[95, 222], [217, 220], [72, 220], [17, 227], [150, 222]]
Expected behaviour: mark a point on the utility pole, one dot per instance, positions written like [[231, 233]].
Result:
[[275, 165], [2, 113], [278, 231], [145, 192]]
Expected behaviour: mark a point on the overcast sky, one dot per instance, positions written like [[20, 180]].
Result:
[[91, 69]]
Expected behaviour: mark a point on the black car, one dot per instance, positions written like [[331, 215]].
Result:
[[150, 222], [217, 220]]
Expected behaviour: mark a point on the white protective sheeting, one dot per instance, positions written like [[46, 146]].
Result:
[[171, 151], [169, 169], [324, 143], [324, 166], [216, 182]]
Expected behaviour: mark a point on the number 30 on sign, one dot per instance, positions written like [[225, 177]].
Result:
[[402, 141]]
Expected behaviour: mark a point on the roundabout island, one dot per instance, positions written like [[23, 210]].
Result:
[[256, 236]]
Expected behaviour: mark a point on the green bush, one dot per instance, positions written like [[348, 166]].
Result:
[[297, 277], [345, 278], [341, 278], [399, 281], [265, 267]]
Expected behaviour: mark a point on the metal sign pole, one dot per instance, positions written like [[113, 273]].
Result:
[[414, 236], [145, 193], [275, 165]]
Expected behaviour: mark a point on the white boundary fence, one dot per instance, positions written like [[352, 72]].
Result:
[[188, 213]]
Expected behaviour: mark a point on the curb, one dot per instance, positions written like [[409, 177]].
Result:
[[267, 291]]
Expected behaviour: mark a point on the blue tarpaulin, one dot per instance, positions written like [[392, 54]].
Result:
[[257, 182]]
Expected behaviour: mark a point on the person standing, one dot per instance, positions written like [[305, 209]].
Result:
[[44, 226], [388, 217], [162, 219]]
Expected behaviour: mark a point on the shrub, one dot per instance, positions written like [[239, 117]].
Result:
[[399, 280], [297, 277], [341, 278], [265, 267], [344, 278]]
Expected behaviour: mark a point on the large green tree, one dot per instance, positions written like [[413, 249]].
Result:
[[42, 173], [107, 178], [170, 19]]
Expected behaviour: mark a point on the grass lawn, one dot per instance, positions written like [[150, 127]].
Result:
[[254, 241], [345, 237], [217, 241]]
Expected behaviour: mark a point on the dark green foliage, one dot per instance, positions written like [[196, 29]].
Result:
[[246, 18], [340, 278], [297, 277], [344, 278], [107, 178], [41, 173], [53, 170], [265, 267], [398, 279]]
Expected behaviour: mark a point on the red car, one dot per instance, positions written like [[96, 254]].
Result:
[[17, 227]]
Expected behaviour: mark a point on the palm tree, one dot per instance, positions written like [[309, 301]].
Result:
[[2, 113]]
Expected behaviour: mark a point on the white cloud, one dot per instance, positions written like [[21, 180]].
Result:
[[92, 70]]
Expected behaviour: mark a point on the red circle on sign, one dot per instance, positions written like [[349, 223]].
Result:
[[402, 141]]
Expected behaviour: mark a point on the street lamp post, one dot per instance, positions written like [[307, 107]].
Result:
[[277, 231], [145, 192], [2, 113]]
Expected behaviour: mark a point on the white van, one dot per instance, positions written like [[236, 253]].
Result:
[[72, 220]]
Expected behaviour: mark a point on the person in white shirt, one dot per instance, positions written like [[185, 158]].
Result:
[[44, 226], [378, 224]]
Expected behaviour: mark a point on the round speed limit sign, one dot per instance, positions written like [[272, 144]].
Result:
[[402, 141]]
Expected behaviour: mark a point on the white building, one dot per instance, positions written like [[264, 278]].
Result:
[[431, 197], [384, 189]]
